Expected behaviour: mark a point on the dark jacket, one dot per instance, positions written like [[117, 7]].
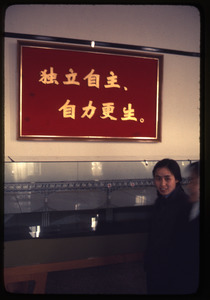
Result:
[[190, 241], [163, 258]]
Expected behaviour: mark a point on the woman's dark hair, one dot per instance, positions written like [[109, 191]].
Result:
[[172, 165]]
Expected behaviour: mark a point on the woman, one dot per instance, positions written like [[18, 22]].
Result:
[[163, 259]]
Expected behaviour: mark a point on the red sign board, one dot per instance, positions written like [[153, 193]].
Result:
[[88, 93]]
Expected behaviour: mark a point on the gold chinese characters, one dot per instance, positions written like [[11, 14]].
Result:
[[69, 111], [93, 80]]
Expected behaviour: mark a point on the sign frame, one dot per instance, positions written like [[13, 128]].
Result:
[[113, 53]]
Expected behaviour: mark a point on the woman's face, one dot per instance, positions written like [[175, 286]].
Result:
[[165, 181]]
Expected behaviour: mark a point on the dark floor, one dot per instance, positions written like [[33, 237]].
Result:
[[123, 278]]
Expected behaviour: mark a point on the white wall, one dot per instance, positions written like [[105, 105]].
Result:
[[170, 27]]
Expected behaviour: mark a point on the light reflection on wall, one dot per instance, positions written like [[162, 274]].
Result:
[[96, 169], [34, 231], [25, 171], [94, 222], [140, 200]]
